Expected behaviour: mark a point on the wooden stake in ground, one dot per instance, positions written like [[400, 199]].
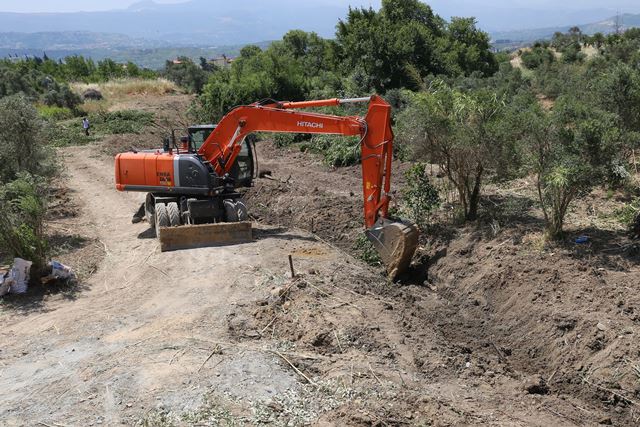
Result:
[[293, 273]]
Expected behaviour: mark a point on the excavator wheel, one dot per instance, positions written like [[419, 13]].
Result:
[[162, 216], [174, 214], [150, 210], [243, 212], [396, 242], [235, 210]]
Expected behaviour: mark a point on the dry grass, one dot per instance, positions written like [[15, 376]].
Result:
[[125, 87]]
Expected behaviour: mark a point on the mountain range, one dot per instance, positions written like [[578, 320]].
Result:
[[605, 26], [193, 23]]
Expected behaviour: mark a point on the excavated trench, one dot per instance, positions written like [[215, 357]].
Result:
[[559, 321]]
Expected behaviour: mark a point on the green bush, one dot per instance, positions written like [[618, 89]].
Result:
[[286, 139], [21, 139], [627, 213], [53, 112], [70, 132], [420, 197], [22, 211], [536, 57], [366, 251], [337, 151]]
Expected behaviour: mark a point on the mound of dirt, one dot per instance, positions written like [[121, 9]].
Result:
[[559, 320]]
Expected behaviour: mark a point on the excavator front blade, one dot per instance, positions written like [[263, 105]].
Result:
[[396, 242]]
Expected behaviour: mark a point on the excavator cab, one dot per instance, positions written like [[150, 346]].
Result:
[[244, 169]]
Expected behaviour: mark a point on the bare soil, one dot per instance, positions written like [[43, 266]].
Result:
[[493, 326]]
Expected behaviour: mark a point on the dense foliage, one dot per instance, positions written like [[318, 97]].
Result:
[[398, 46], [26, 164]]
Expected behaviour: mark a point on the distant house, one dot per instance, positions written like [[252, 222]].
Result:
[[176, 61], [221, 61]]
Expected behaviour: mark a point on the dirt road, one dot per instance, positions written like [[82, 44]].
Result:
[[139, 335]]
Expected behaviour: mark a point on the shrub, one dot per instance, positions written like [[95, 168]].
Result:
[[21, 139], [366, 250], [337, 151], [420, 197], [62, 96], [22, 211], [54, 112], [120, 122], [536, 57]]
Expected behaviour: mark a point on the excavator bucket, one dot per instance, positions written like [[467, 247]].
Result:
[[396, 242]]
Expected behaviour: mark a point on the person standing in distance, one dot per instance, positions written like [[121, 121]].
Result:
[[85, 126]]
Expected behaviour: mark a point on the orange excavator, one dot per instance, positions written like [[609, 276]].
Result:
[[191, 186]]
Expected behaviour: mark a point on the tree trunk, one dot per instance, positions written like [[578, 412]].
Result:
[[474, 197]]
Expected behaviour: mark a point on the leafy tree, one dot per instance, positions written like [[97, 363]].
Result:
[[570, 151], [21, 139], [186, 73], [26, 164], [405, 42], [461, 132], [537, 57], [254, 75], [469, 48]]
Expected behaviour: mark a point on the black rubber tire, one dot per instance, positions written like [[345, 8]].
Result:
[[230, 211], [162, 216], [150, 210], [241, 209], [174, 214]]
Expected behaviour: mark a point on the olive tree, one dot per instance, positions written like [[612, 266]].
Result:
[[571, 150], [461, 132]]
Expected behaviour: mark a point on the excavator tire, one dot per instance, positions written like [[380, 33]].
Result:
[[230, 210], [150, 210], [243, 212], [396, 242], [162, 216], [174, 214]]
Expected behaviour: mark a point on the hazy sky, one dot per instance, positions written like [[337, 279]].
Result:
[[90, 5]]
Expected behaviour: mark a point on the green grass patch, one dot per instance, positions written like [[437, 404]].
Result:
[[625, 215], [70, 132], [53, 112]]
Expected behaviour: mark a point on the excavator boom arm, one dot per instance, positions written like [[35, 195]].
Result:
[[376, 140]]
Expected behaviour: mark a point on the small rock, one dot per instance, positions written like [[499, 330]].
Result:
[[286, 305], [535, 385], [606, 421], [276, 292], [601, 326]]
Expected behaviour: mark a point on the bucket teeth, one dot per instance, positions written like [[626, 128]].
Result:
[[396, 242]]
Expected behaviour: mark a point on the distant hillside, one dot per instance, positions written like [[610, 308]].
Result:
[[520, 37], [70, 40], [153, 58], [201, 23]]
